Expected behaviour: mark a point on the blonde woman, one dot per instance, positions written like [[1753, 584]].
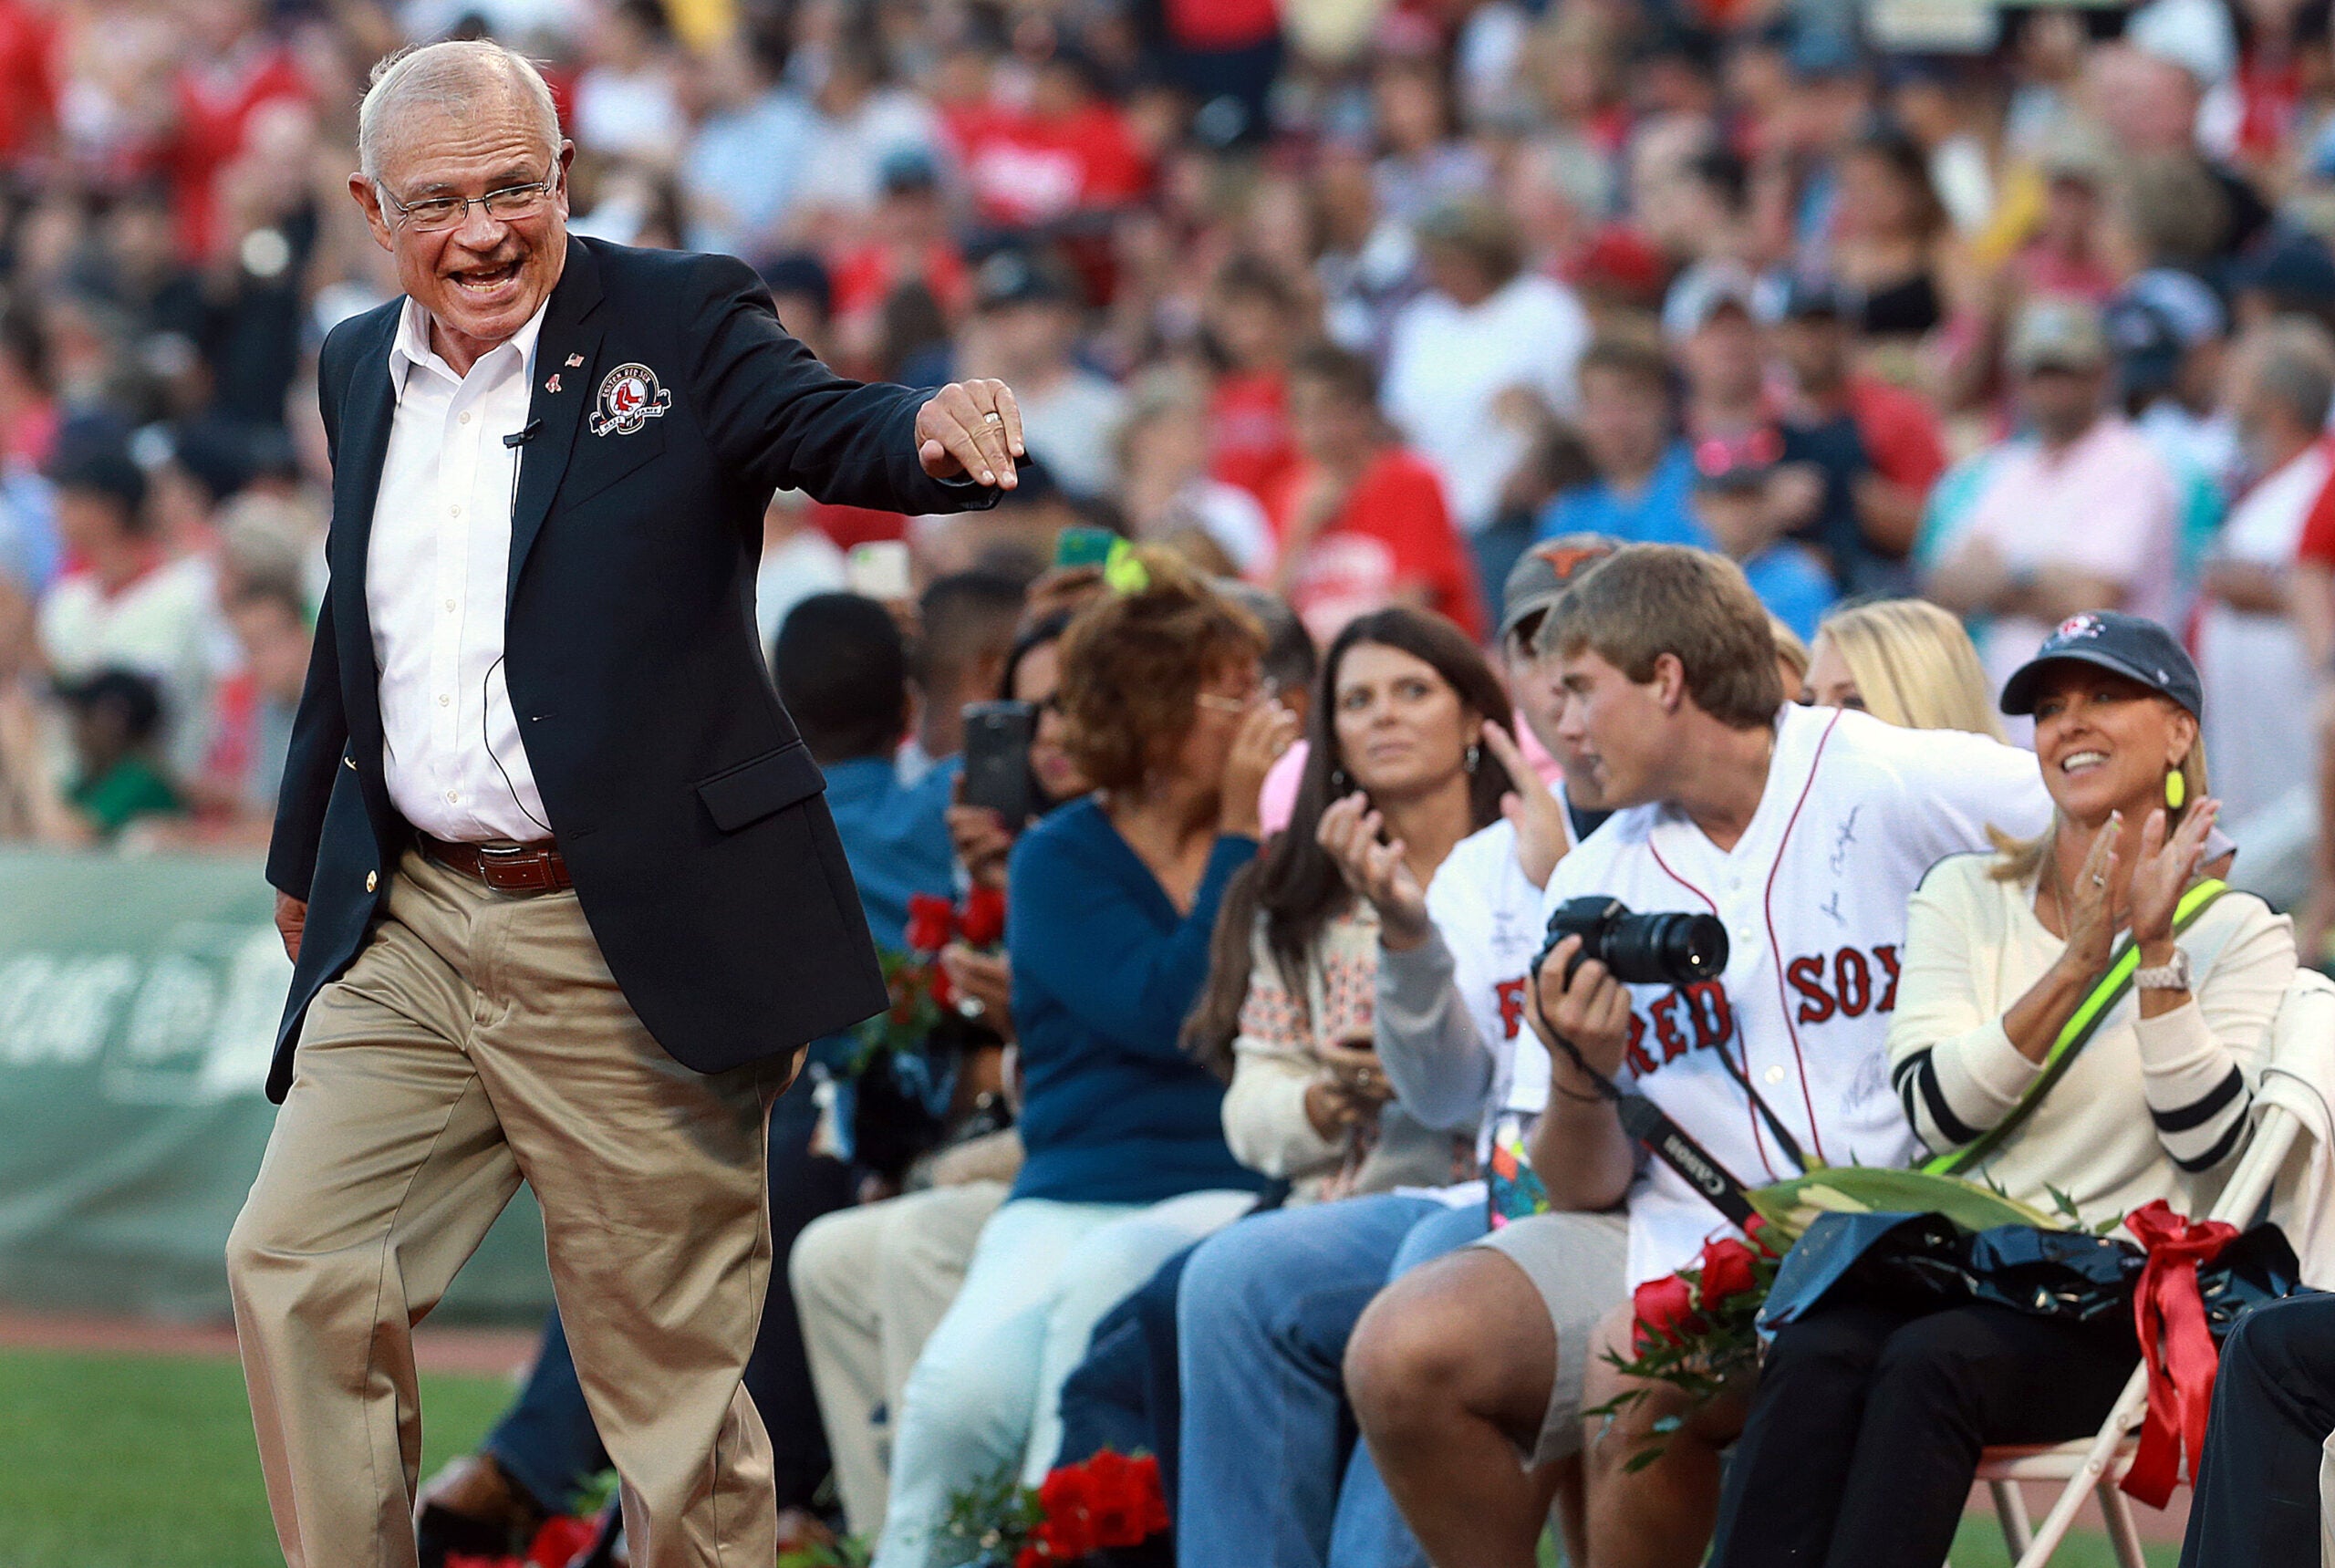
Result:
[[1906, 662], [1870, 1414]]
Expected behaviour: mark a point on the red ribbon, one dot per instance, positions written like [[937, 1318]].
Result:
[[2169, 1314]]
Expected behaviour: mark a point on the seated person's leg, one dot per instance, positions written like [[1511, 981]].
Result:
[[833, 1269], [534, 1463], [1107, 1266], [1662, 1515], [1865, 1430], [965, 1417], [1370, 1531], [1791, 1468], [1467, 1376], [803, 1186], [1262, 1321], [870, 1285], [2260, 1492], [1112, 1398]]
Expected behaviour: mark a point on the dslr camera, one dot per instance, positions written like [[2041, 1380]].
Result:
[[1673, 949]]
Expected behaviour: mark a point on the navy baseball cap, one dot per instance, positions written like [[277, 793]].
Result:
[[2133, 646]]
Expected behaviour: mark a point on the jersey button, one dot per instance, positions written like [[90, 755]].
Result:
[[1773, 1074]]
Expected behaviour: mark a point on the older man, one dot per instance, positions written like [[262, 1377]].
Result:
[[562, 894]]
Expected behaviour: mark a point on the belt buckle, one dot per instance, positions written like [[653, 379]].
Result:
[[512, 867]]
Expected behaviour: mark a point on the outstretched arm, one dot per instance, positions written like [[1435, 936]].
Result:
[[780, 419]]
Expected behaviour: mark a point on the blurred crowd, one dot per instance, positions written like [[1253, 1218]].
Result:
[[1357, 309], [2026, 312]]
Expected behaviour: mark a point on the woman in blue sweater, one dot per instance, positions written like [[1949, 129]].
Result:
[[1112, 900]]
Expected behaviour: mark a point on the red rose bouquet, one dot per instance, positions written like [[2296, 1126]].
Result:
[[1110, 1503], [919, 987], [1697, 1329]]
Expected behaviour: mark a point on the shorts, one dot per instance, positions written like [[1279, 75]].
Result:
[[1579, 1264]]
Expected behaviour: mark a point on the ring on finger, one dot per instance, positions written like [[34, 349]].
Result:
[[992, 417]]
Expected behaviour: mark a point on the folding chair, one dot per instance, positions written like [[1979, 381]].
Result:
[[2097, 1464]]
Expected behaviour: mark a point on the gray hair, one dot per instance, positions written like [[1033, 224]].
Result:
[[2296, 369], [451, 75]]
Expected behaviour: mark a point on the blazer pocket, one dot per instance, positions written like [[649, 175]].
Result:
[[761, 785], [599, 462]]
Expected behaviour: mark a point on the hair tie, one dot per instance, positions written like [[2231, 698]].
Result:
[[1124, 571]]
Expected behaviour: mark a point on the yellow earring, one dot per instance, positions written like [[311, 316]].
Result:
[[2176, 789]]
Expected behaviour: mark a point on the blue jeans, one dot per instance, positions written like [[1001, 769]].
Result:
[[1264, 1318]]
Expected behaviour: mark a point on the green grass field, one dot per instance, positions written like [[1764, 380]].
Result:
[[133, 1462], [124, 1462]]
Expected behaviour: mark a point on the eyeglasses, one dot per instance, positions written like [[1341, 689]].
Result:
[[511, 204]]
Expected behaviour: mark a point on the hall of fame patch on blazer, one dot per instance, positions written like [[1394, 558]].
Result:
[[629, 398]]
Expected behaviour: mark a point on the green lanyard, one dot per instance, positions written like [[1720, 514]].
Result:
[[2074, 1036]]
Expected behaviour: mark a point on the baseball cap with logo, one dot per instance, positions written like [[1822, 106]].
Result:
[[1543, 573], [2133, 646], [2058, 334]]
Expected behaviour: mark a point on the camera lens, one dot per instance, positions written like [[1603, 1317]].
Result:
[[1665, 950]]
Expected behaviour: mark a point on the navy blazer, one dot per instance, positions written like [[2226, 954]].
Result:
[[690, 812]]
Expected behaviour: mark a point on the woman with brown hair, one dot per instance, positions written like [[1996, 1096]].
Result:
[[1111, 902], [1398, 739], [1891, 228]]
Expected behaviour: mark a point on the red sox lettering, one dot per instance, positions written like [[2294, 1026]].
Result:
[[1845, 983]]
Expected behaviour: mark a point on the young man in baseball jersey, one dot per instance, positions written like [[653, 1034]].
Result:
[[1265, 1307], [1804, 831]]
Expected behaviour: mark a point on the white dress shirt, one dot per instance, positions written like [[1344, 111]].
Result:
[[434, 586]]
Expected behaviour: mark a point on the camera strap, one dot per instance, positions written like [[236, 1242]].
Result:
[[1668, 1142], [1775, 1128]]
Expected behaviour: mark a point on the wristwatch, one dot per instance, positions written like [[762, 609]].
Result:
[[2173, 976]]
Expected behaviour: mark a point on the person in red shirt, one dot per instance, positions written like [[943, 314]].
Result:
[[1069, 151], [232, 69], [906, 243], [1251, 316], [27, 78], [1361, 524]]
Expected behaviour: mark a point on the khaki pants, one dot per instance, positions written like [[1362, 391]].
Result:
[[479, 1039], [870, 1285]]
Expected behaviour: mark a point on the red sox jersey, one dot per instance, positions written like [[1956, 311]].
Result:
[[1490, 916], [1814, 897]]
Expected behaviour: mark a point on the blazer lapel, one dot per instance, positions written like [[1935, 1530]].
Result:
[[366, 410], [568, 349]]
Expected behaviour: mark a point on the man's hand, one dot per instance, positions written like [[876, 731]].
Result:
[[970, 428], [1592, 1010], [291, 919]]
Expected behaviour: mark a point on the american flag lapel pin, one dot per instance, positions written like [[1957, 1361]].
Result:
[[552, 385], [575, 361]]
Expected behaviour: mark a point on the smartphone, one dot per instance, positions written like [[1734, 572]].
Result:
[[1083, 547], [997, 759], [879, 570]]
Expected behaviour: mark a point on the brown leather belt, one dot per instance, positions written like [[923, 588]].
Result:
[[537, 867]]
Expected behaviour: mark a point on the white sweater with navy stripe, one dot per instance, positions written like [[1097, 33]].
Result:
[[2153, 1107]]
